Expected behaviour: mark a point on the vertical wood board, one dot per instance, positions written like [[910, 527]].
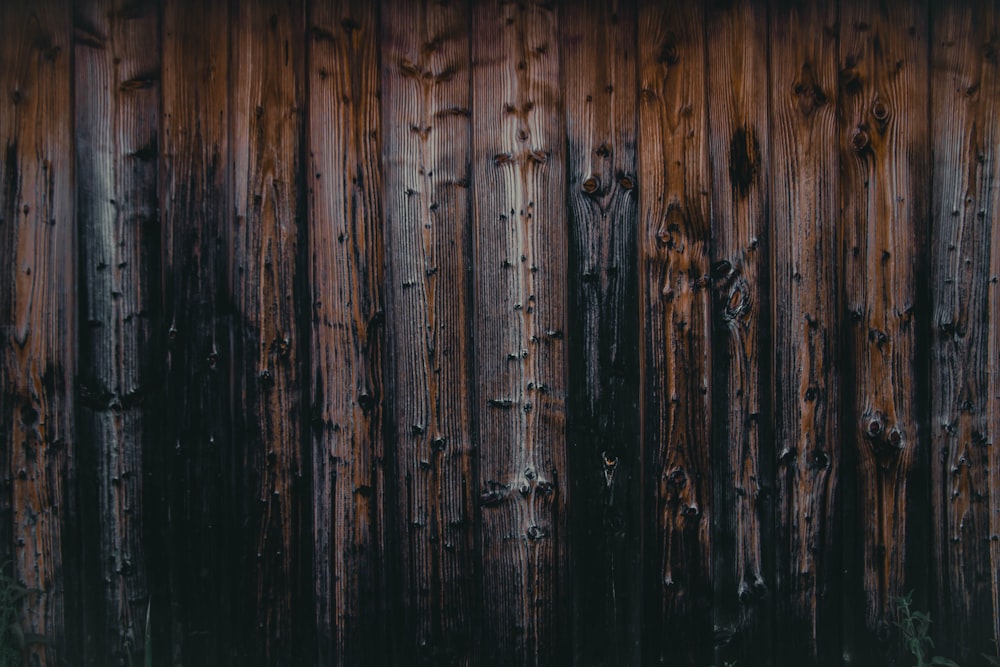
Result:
[[599, 70], [520, 266], [676, 319], [116, 118], [347, 332], [426, 120], [804, 207]]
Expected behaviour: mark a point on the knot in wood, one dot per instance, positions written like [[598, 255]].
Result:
[[591, 185], [538, 157], [860, 140], [494, 495], [819, 460], [544, 488], [738, 303], [536, 532], [677, 478], [668, 52], [880, 111], [722, 269], [365, 402]]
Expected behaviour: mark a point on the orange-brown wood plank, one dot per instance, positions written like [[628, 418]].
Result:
[[518, 163], [191, 460], [345, 259], [803, 232], [116, 118], [743, 481], [675, 311], [269, 292], [425, 157], [599, 57], [965, 103], [38, 318], [883, 186]]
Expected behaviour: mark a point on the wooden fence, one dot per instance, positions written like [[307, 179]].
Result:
[[425, 332]]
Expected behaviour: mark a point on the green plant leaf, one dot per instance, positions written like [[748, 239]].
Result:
[[938, 660], [148, 648]]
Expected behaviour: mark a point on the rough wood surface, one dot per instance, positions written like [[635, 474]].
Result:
[[346, 338], [116, 116], [599, 67], [676, 312], [520, 266], [884, 183], [191, 489], [37, 317], [990, 52], [684, 356], [426, 123], [965, 88], [267, 100], [804, 206], [739, 146]]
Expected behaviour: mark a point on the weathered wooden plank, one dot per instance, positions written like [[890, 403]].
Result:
[[743, 478], [191, 487], [804, 173], [884, 179], [425, 157], [598, 51], [346, 264], [520, 268], [116, 109], [990, 53], [965, 93], [675, 310], [269, 292], [37, 317]]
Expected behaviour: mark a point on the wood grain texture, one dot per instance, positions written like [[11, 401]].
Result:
[[884, 182], [426, 124], [676, 324], [38, 317], [116, 109], [347, 334], [267, 101], [743, 480], [599, 58], [520, 291], [965, 91], [804, 206], [658, 342], [191, 491], [990, 52]]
